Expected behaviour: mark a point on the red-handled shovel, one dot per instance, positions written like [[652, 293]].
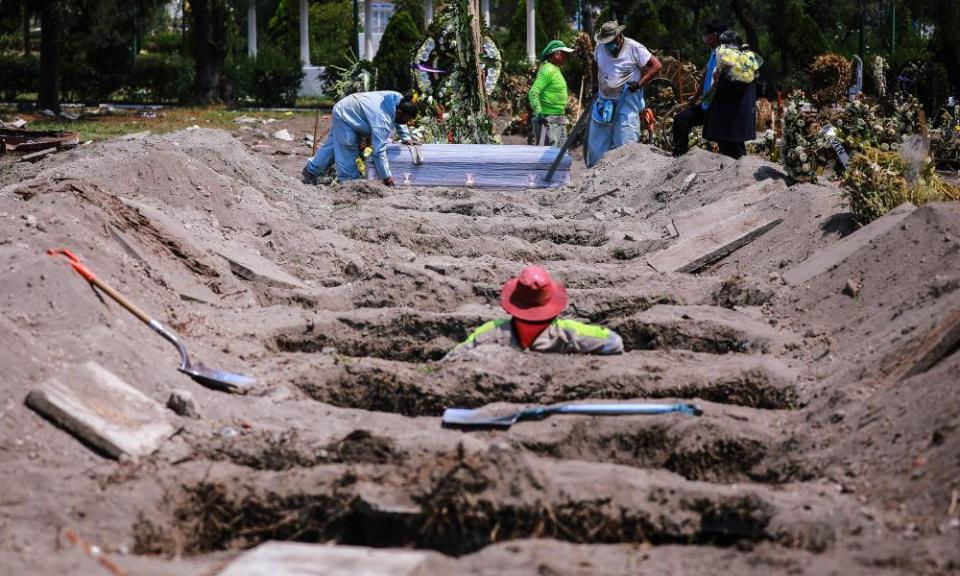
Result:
[[210, 377]]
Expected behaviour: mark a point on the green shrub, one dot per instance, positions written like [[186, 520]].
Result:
[[163, 77], [18, 74], [400, 39], [270, 79], [94, 75], [167, 42]]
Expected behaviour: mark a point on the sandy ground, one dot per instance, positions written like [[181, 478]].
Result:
[[823, 449]]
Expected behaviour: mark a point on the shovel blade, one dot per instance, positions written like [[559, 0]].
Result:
[[219, 379], [467, 418]]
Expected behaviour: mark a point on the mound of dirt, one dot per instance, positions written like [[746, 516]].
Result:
[[829, 438]]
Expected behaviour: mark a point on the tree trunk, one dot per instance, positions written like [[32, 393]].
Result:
[[742, 11], [586, 15], [782, 31], [209, 49], [26, 30], [50, 29]]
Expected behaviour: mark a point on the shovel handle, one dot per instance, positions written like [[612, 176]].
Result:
[[92, 278]]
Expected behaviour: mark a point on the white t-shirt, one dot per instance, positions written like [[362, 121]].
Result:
[[615, 71]]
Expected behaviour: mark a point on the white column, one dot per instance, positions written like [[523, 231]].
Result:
[[252, 29], [531, 31], [428, 10], [485, 10], [304, 33], [368, 29]]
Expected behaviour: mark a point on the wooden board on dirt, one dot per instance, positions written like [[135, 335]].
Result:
[[692, 222], [294, 559], [102, 411], [839, 251], [714, 243]]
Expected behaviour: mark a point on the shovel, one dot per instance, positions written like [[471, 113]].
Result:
[[583, 124], [467, 418], [210, 377]]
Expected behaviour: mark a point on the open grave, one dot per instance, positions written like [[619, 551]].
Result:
[[825, 360]]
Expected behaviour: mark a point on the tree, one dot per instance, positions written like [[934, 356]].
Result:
[[400, 39], [51, 27], [331, 29], [946, 39], [643, 23], [414, 9], [210, 49], [551, 24], [744, 13]]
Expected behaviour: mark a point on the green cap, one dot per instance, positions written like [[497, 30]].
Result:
[[553, 46]]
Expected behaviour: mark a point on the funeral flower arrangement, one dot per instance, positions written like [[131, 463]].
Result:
[[455, 79], [799, 148]]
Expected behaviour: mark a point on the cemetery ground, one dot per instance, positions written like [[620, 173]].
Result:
[[824, 357]]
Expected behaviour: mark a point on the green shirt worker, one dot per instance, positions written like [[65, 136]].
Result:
[[548, 96]]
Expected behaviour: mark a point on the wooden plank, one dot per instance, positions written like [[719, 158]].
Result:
[[832, 255], [102, 411], [937, 344], [713, 244], [294, 559], [37, 156], [692, 222]]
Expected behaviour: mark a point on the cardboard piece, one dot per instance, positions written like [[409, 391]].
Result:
[[102, 411], [294, 559]]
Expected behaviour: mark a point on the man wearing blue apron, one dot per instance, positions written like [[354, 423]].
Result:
[[622, 68], [365, 114]]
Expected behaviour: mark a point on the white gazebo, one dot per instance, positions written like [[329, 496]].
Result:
[[312, 84]]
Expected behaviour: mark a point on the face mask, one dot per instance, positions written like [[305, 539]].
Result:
[[612, 47]]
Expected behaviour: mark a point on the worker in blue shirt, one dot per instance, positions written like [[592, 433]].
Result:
[[695, 114], [364, 114]]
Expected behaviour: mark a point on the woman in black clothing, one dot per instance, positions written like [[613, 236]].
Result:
[[731, 117]]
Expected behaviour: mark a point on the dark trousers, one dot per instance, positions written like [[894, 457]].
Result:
[[683, 124], [735, 150]]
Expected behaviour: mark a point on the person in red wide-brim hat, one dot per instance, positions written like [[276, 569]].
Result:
[[534, 301]]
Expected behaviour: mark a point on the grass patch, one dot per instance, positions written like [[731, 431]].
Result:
[[101, 127]]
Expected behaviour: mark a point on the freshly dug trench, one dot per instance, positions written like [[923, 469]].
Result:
[[460, 503], [713, 448], [399, 336], [284, 451], [495, 374], [697, 328]]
